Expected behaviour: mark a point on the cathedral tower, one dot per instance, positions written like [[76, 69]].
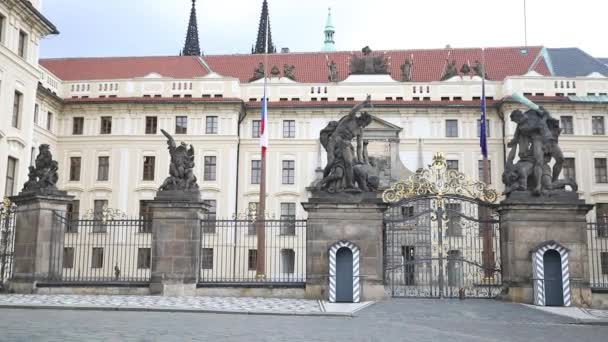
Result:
[[191, 47], [264, 42]]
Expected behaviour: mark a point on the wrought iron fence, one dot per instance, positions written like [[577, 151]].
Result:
[[597, 244], [101, 250], [7, 241], [229, 252]]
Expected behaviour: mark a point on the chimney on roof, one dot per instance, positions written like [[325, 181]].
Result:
[[285, 50], [191, 47]]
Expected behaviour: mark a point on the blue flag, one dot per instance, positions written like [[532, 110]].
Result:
[[483, 141]]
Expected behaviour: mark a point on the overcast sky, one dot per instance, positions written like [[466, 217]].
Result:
[[158, 27]]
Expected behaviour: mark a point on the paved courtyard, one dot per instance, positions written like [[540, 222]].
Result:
[[392, 320]]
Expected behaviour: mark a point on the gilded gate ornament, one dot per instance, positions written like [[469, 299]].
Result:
[[437, 180]]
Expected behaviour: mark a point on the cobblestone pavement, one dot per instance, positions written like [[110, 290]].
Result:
[[259, 305], [393, 320]]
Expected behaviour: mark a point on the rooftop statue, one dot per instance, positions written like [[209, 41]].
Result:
[[535, 142], [450, 70], [478, 69], [288, 71], [406, 70], [368, 64], [347, 170], [42, 178], [258, 73], [333, 71], [181, 174]]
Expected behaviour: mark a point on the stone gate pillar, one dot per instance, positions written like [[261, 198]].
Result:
[[40, 221], [176, 229], [350, 218], [527, 222]]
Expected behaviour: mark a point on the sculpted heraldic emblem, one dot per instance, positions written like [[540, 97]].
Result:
[[437, 180]]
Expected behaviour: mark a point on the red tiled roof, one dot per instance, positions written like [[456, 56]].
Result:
[[112, 68], [310, 67], [428, 66], [541, 67]]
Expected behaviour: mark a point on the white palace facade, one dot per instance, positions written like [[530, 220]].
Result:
[[102, 116]]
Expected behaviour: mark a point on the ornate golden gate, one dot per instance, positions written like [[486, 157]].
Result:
[[441, 236]]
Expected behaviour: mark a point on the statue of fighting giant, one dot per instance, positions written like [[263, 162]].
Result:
[[181, 174], [535, 142], [347, 170]]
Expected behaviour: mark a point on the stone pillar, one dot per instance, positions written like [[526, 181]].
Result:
[[39, 231], [357, 218], [176, 229], [526, 222]]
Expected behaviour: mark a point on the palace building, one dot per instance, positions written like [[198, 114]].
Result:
[[102, 116]]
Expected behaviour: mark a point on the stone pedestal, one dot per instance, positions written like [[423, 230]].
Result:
[[356, 218], [39, 231], [526, 222], [176, 230]]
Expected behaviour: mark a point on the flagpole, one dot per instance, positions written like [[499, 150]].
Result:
[[488, 239], [261, 209]]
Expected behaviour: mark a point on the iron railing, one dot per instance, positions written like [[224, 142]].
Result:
[[597, 247], [7, 242], [229, 252], [101, 251]]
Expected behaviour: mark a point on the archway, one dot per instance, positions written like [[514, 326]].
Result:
[[551, 270], [344, 272]]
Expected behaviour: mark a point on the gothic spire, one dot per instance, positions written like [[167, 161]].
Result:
[[262, 45], [192, 48], [329, 34]]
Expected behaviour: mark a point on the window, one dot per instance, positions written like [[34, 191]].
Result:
[[407, 211], [209, 227], [604, 262], [251, 214], [480, 170], [252, 259], [99, 206], [17, 104], [211, 125], [289, 171], [2, 21], [149, 162], [106, 125], [408, 253], [567, 125], [22, 44], [256, 128], [289, 128], [49, 121], [11, 172], [288, 219], [597, 122], [601, 173], [73, 213], [97, 257], [103, 169], [207, 258], [77, 125], [451, 128], [209, 173], [601, 213], [75, 169], [68, 257], [454, 227], [181, 125], [288, 261], [36, 111], [569, 169], [144, 256], [452, 165], [256, 171], [479, 128], [145, 214], [151, 124]]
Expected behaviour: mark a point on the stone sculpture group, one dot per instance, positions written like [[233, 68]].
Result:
[[535, 142], [181, 169], [42, 177], [347, 170]]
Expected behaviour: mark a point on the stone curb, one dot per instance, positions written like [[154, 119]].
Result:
[[176, 310], [598, 322]]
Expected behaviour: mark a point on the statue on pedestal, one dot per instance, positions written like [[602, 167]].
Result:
[[535, 142], [181, 174], [42, 177], [345, 167]]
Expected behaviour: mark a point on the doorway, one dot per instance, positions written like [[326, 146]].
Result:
[[554, 289], [344, 275]]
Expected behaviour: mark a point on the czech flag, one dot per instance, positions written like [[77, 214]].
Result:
[[483, 140]]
